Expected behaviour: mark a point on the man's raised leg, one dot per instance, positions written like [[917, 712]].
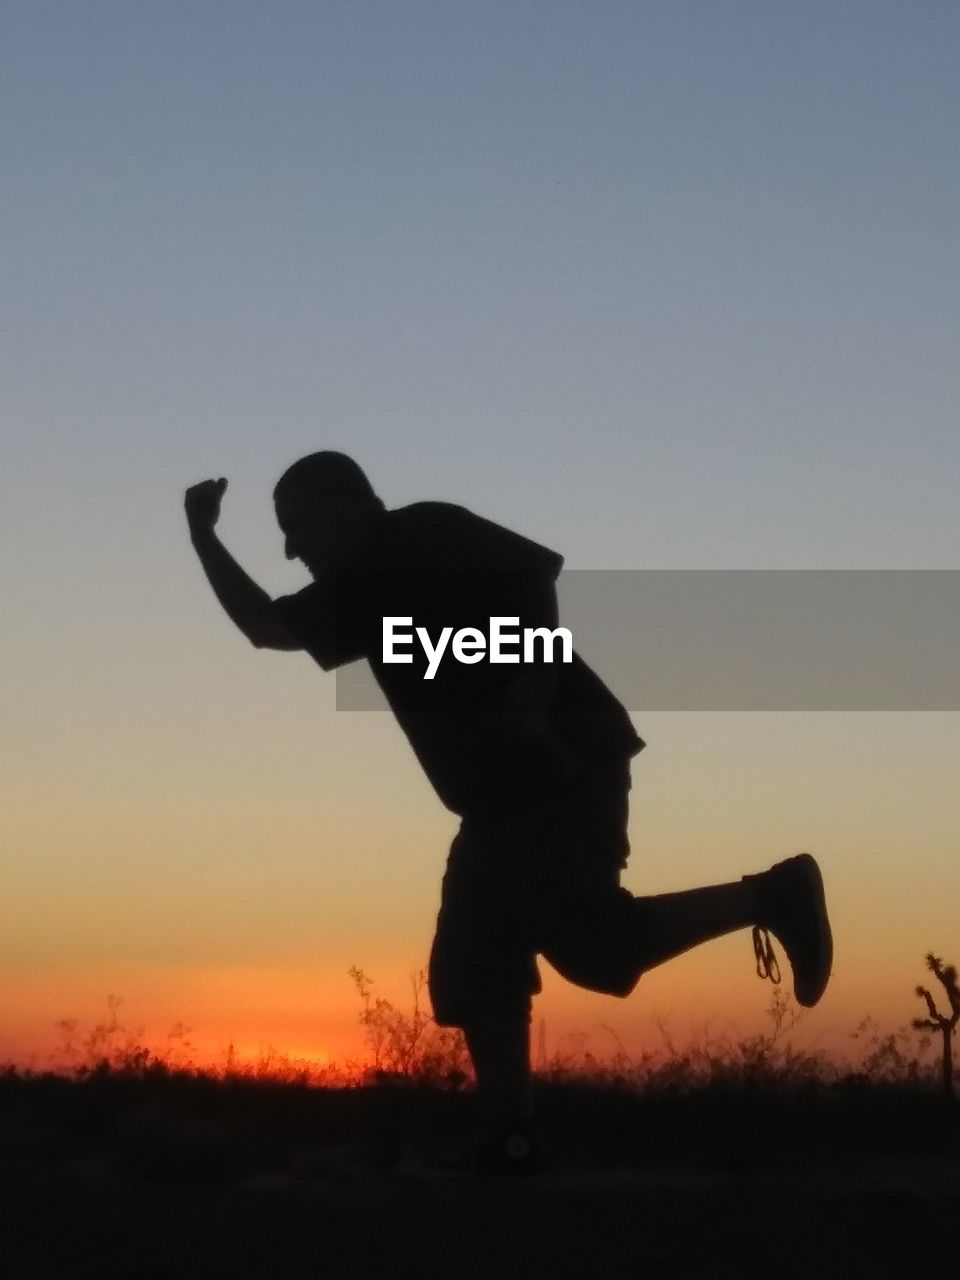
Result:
[[788, 900]]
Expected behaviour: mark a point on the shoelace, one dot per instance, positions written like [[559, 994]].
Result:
[[767, 966]]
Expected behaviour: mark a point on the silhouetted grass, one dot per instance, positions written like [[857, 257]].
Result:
[[193, 1126], [130, 1164], [735, 1104]]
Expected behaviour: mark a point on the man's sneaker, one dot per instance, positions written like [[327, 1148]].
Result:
[[792, 906], [514, 1153], [511, 1152]]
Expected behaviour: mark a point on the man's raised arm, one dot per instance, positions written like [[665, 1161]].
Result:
[[246, 603]]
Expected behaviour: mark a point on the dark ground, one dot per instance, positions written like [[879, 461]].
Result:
[[176, 1179]]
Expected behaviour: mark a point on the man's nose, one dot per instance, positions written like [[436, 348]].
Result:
[[289, 549]]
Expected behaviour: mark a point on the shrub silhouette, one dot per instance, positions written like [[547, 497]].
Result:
[[152, 1115], [946, 1024], [110, 1048], [404, 1047], [409, 1047]]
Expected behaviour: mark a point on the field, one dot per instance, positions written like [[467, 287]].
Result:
[[160, 1174]]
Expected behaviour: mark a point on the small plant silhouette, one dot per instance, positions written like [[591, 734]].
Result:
[[410, 1046], [946, 975], [111, 1048]]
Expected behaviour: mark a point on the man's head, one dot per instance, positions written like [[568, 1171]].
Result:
[[325, 505]]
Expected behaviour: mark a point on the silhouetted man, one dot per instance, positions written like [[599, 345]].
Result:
[[534, 756]]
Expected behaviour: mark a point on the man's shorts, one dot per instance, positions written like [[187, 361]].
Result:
[[546, 882]]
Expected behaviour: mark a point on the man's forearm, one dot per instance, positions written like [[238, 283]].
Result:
[[245, 602]]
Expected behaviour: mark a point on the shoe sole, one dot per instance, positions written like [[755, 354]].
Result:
[[810, 993]]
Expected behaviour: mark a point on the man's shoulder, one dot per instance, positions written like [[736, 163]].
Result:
[[447, 535], [428, 515], [419, 535]]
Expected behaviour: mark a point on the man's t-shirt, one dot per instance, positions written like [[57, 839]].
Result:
[[443, 566]]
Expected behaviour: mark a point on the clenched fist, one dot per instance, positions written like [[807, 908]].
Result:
[[202, 504]]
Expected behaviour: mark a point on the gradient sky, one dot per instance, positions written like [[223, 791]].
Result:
[[660, 284]]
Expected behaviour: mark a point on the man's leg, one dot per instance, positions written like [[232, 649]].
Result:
[[632, 934], [482, 976], [788, 900], [604, 938], [499, 1044], [669, 924]]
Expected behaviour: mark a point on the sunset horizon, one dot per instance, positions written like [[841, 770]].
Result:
[[479, 512]]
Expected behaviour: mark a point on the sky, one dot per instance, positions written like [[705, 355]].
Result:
[[662, 285]]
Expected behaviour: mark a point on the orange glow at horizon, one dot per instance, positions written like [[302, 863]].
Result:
[[237, 904], [306, 1018]]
